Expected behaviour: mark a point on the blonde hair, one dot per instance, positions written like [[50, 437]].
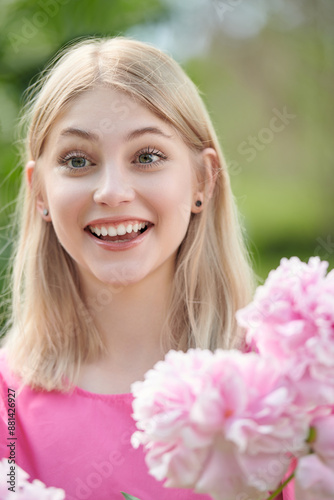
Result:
[[51, 330]]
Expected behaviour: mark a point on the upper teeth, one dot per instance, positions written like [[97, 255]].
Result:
[[117, 230]]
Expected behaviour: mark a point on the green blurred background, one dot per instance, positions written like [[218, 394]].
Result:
[[265, 69]]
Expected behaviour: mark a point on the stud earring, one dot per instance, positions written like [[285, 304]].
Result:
[[198, 203], [45, 212]]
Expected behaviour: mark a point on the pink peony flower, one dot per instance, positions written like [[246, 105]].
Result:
[[218, 422], [291, 319], [314, 477], [24, 490], [161, 409]]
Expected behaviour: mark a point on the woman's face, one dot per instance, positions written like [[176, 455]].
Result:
[[120, 186]]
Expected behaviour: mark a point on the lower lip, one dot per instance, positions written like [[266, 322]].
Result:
[[121, 245]]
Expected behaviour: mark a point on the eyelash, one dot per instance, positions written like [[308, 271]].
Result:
[[64, 159], [150, 151]]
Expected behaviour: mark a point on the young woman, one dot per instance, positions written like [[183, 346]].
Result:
[[128, 245]]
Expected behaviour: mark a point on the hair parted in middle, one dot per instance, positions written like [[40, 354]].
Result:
[[52, 331]]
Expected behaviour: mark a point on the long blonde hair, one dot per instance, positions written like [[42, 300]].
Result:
[[51, 330]]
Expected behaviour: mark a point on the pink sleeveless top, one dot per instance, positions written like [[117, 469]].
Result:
[[80, 442]]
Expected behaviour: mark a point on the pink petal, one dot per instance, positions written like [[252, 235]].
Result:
[[313, 480]]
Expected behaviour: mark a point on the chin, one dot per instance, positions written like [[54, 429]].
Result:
[[123, 276]]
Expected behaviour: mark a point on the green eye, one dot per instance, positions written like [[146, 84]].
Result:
[[75, 161], [146, 158], [150, 156], [78, 162]]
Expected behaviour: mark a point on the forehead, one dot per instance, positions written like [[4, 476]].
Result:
[[103, 111]]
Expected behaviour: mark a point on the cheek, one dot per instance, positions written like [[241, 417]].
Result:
[[172, 201], [70, 192], [66, 202]]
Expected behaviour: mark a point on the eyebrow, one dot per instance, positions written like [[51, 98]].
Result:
[[84, 134], [146, 130], [91, 136]]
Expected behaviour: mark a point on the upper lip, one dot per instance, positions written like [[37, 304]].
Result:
[[113, 221]]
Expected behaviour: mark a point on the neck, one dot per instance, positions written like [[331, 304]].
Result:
[[131, 320], [131, 316]]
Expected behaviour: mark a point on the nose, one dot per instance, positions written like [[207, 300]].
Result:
[[114, 187]]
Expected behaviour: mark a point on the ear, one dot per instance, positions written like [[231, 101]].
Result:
[[41, 205], [29, 172], [209, 159]]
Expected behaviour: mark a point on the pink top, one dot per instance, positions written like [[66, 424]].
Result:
[[80, 442]]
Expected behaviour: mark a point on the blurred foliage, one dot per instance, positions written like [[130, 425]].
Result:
[[285, 186], [283, 181]]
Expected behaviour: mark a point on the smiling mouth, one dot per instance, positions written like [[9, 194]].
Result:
[[120, 233]]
